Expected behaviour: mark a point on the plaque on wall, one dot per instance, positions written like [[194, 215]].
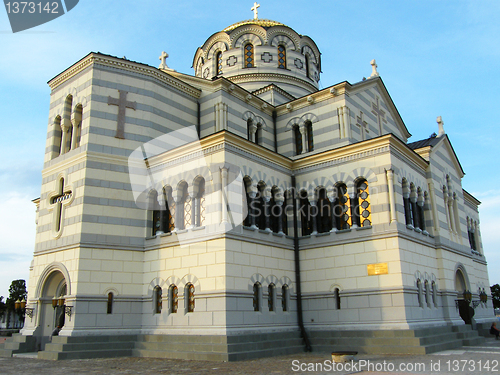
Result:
[[378, 269]]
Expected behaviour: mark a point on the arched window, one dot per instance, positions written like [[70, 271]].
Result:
[[298, 140], [419, 293], [67, 125], [249, 56], [256, 296], [190, 297], [247, 222], [342, 208], [308, 71], [261, 207], [414, 207], [110, 303], [156, 217], [284, 216], [305, 214], [77, 127], [420, 209], [157, 298], [219, 63], [199, 203], [281, 57], [427, 293], [58, 133], [275, 211], [173, 298], [434, 293], [270, 297], [324, 212], [363, 209], [336, 293], [310, 141], [406, 203], [249, 129], [183, 207], [284, 297]]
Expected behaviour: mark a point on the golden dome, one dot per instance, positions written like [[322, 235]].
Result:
[[259, 22]]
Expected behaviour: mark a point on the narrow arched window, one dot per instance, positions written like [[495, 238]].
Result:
[[249, 56], [199, 203], [258, 134], [284, 297], [157, 297], [284, 216], [336, 293], [324, 221], [110, 303], [342, 208], [219, 63], [270, 297], [305, 214], [406, 203], [281, 57], [173, 298], [434, 293], [190, 297], [67, 126], [261, 208], [58, 135], [419, 293], [298, 140], [363, 209], [78, 126], [308, 71], [414, 207], [310, 140], [427, 293], [249, 129], [155, 213], [275, 212], [247, 221], [256, 296]]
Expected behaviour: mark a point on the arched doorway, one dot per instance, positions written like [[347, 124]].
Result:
[[52, 289], [461, 286]]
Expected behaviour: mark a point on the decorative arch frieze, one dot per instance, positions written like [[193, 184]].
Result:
[[248, 33], [283, 40], [47, 272]]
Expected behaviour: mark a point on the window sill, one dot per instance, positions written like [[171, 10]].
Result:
[[364, 228]]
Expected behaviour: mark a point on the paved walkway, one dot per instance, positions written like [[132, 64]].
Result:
[[482, 359]]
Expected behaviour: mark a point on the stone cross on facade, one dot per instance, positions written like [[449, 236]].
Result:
[[363, 125], [57, 203], [377, 111], [374, 65], [255, 10], [122, 104]]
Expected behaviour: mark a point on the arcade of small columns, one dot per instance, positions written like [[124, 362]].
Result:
[[70, 125]]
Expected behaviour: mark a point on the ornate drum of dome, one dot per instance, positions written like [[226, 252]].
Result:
[[257, 53]]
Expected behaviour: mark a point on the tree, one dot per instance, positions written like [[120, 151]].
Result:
[[3, 307], [17, 291], [495, 295]]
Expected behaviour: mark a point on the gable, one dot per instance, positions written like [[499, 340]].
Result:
[[379, 112], [444, 154]]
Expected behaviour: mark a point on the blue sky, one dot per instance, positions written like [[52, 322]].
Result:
[[437, 58]]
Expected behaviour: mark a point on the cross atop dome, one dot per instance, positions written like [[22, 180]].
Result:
[[255, 11]]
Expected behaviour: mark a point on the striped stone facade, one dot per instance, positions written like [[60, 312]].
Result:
[[97, 247]]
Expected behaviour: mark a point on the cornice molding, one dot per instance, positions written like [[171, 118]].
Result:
[[271, 77], [117, 63]]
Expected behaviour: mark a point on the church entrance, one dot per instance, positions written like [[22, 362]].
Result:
[[52, 306], [464, 309]]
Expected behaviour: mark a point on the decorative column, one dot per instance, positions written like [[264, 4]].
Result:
[[220, 110], [223, 195], [390, 184], [65, 125], [267, 201], [414, 210], [449, 208], [406, 202], [179, 212], [313, 213], [421, 214], [253, 131], [353, 201], [251, 209], [76, 120], [279, 203], [303, 134]]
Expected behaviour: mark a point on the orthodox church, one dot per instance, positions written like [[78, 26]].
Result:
[[243, 212]]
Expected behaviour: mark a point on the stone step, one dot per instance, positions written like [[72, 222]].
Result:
[[5, 353], [91, 339], [74, 347], [85, 354]]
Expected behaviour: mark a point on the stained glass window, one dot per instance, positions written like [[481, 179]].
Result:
[[219, 63], [256, 296], [110, 303], [343, 208], [363, 212], [174, 298], [157, 299], [284, 297], [249, 56], [310, 140], [281, 57], [270, 297], [190, 295]]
